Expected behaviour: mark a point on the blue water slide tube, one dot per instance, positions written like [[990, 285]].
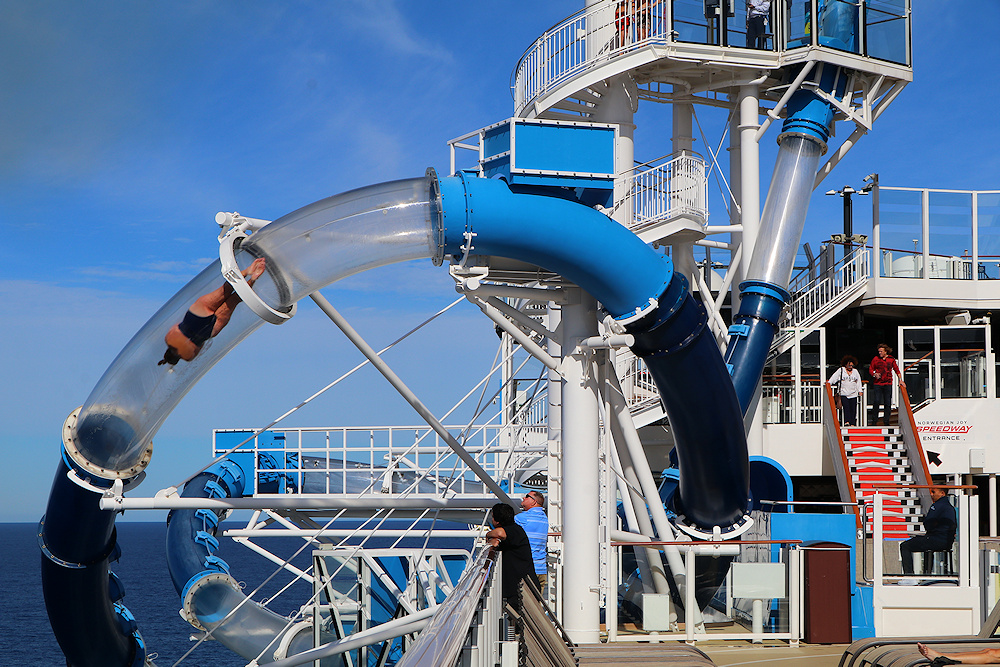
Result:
[[211, 599], [111, 439], [764, 292]]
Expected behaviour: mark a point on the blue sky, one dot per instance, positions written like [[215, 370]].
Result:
[[126, 126]]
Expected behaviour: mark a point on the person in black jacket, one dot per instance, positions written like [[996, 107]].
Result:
[[940, 523], [511, 539]]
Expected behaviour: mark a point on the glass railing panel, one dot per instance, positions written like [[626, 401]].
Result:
[[900, 216], [988, 225], [886, 30], [695, 21], [799, 26], [950, 235], [838, 24]]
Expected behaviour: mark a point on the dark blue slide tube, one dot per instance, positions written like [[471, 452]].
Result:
[[81, 595], [677, 347]]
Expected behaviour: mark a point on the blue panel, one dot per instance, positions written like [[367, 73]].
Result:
[[570, 148], [496, 140]]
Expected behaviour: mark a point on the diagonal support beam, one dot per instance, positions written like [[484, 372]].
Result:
[[410, 397]]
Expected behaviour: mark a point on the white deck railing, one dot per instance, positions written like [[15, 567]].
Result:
[[409, 460], [673, 188]]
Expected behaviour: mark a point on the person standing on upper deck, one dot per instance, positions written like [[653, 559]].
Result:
[[758, 14], [881, 368]]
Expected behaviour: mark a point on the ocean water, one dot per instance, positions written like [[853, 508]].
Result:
[[26, 638]]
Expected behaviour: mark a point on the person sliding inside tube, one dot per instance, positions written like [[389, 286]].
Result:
[[206, 318]]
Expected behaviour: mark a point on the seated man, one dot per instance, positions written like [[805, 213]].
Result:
[[511, 539], [987, 656], [205, 318], [939, 527]]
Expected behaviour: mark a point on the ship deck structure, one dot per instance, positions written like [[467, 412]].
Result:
[[660, 377]]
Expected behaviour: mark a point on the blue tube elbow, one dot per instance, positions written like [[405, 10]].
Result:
[[481, 216]]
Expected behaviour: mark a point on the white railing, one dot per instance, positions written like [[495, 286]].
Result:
[[668, 190], [783, 403], [637, 383], [598, 33], [354, 461], [811, 299]]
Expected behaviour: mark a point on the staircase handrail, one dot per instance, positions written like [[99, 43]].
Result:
[[842, 279], [563, 50], [838, 452], [914, 449]]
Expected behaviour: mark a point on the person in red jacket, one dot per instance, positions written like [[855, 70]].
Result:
[[881, 368]]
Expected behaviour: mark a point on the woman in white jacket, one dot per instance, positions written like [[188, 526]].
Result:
[[846, 382]]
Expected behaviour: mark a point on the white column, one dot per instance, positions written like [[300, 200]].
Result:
[[617, 106], [749, 115], [581, 486], [993, 504], [683, 142]]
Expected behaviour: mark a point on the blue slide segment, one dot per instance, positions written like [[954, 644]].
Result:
[[751, 335], [572, 240], [82, 596]]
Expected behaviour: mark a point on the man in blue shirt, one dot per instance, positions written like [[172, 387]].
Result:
[[535, 523], [940, 523]]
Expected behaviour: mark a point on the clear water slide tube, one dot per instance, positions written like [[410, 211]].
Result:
[[764, 293], [110, 438]]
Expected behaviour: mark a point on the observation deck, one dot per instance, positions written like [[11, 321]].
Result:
[[675, 49]]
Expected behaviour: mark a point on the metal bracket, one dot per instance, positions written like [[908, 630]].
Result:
[[234, 276]]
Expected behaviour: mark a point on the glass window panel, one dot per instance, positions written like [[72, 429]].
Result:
[[885, 30], [963, 362], [779, 390], [691, 23], [950, 235], [799, 27], [916, 361], [988, 224], [900, 215], [838, 24]]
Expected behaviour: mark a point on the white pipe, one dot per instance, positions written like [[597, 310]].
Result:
[[389, 630], [556, 295], [638, 516], [296, 502], [607, 342], [622, 420], [774, 113]]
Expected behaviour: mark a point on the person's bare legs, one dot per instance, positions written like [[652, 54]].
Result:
[[987, 656], [225, 311]]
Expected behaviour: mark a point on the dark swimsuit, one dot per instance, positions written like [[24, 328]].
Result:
[[197, 329]]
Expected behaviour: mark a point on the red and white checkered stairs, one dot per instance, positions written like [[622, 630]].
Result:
[[877, 459]]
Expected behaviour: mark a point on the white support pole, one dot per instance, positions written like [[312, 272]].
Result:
[[638, 516], [749, 114], [993, 504], [581, 492], [624, 427]]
